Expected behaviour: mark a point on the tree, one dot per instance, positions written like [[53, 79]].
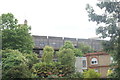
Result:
[[15, 36], [47, 54], [8, 21], [110, 18], [14, 65], [78, 52], [45, 70], [85, 48], [67, 45], [66, 56], [32, 59], [51, 70], [91, 74], [20, 71]]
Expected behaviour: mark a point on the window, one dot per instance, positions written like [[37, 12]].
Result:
[[94, 61], [42, 43], [84, 63], [53, 43]]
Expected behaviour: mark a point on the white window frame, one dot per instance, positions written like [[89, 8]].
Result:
[[94, 61]]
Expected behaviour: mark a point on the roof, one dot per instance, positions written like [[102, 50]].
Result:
[[96, 53]]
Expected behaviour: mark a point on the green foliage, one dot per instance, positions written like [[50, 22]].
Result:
[[15, 36], [32, 58], [14, 64], [76, 75], [47, 54], [113, 74], [110, 18], [78, 52], [67, 45], [85, 48], [110, 73], [50, 70], [20, 71], [43, 69], [12, 58], [8, 21], [91, 74], [66, 57], [66, 54]]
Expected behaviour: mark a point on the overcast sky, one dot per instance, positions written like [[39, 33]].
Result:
[[62, 18]]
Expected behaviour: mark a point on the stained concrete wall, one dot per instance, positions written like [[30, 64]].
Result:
[[57, 42]]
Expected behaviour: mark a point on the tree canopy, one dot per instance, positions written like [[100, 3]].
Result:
[[14, 35], [48, 54], [85, 48], [66, 54], [110, 18], [67, 45], [14, 65], [17, 45]]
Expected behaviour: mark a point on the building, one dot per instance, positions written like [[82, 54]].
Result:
[[81, 64], [57, 42], [99, 61]]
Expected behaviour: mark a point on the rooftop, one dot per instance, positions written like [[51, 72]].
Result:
[[96, 53]]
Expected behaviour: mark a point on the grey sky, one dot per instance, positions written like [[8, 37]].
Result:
[[64, 18]]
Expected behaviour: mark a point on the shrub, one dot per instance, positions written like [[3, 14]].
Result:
[[14, 64], [91, 74], [47, 54], [76, 75], [20, 71], [31, 59], [44, 70]]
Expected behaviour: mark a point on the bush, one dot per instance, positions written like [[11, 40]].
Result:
[[45, 70], [32, 59], [21, 71], [48, 54], [91, 74], [12, 58], [14, 64], [66, 57], [76, 75]]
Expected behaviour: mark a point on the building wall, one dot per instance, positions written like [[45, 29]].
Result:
[[73, 40], [57, 42], [104, 60], [40, 41], [103, 63], [103, 71], [89, 60], [81, 64]]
